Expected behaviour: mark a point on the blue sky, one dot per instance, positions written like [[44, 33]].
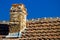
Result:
[[35, 8]]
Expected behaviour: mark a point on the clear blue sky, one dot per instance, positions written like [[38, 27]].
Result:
[[35, 8]]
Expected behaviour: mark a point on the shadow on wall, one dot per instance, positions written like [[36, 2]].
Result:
[[4, 29]]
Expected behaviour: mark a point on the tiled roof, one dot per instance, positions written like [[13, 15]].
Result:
[[41, 30]]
